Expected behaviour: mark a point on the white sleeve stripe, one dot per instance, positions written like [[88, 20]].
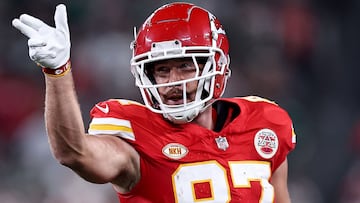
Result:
[[111, 121], [293, 140], [112, 126]]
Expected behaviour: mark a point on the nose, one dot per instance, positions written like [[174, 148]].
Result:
[[174, 75]]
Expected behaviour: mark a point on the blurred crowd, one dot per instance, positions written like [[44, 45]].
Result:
[[302, 54]]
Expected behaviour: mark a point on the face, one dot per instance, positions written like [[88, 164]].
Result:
[[174, 70]]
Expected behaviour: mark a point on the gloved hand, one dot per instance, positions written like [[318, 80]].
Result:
[[48, 46]]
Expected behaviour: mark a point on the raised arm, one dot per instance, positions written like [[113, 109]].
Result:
[[98, 159]]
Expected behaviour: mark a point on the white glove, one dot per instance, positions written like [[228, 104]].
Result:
[[48, 46]]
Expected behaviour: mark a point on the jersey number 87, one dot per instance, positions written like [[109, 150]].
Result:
[[213, 176]]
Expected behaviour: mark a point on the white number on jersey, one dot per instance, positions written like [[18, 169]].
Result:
[[213, 176]]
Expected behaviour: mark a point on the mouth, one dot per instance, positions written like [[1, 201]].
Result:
[[174, 102], [174, 99]]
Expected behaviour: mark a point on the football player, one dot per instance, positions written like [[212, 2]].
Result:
[[185, 143]]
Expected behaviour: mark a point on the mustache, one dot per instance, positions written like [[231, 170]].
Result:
[[174, 93]]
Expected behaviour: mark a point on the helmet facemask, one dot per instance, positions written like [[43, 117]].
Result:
[[205, 78]]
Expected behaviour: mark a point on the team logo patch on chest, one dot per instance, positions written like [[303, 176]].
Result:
[[175, 151], [266, 143]]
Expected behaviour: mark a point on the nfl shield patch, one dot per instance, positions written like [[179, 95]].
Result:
[[222, 143]]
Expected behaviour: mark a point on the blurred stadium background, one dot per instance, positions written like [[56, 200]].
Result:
[[302, 54]]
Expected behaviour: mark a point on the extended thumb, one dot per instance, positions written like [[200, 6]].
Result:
[[60, 18]]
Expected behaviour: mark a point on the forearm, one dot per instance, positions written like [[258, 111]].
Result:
[[63, 119]]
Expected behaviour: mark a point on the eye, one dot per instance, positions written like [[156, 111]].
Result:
[[187, 67], [161, 71]]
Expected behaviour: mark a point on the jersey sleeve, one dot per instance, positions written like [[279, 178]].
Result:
[[282, 124], [275, 136], [110, 117]]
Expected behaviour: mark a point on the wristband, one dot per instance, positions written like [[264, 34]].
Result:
[[58, 72]]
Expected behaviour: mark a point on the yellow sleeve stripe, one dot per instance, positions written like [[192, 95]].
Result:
[[110, 127], [113, 126]]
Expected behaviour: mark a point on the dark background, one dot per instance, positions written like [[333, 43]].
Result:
[[302, 54]]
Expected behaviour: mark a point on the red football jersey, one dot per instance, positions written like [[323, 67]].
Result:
[[189, 163]]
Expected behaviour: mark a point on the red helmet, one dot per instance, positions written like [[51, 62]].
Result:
[[182, 30]]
